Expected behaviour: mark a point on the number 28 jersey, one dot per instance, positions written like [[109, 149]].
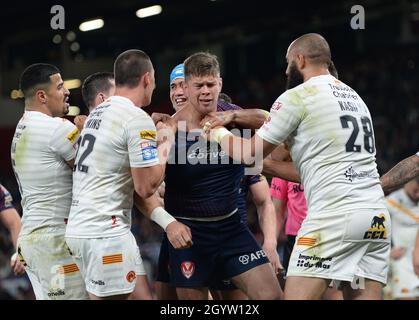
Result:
[[116, 136], [329, 130]]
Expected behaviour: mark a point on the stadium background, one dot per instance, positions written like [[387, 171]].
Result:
[[250, 38]]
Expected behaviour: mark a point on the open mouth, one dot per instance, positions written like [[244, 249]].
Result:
[[206, 102], [180, 101]]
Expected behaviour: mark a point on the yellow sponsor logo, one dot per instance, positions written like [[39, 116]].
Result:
[[148, 134], [73, 135], [378, 229]]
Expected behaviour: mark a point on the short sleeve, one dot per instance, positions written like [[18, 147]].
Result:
[[142, 142], [6, 200], [64, 139], [255, 179], [285, 116]]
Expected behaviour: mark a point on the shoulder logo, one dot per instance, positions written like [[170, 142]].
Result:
[[148, 134], [276, 106], [73, 135]]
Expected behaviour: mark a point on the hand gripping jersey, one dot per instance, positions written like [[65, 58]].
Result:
[[201, 181]]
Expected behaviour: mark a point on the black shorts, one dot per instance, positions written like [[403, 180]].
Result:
[[221, 250]]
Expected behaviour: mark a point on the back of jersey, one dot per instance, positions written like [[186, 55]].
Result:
[[330, 134], [117, 135]]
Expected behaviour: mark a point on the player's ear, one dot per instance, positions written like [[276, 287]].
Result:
[[221, 84], [146, 79], [41, 95], [301, 61]]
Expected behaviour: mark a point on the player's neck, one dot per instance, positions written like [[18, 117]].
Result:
[[30, 106], [191, 116], [315, 72], [134, 95]]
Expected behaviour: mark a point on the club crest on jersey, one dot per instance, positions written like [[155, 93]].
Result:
[[114, 221], [148, 134], [276, 106], [377, 230], [131, 276], [188, 268]]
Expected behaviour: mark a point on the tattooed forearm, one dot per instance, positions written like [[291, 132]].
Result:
[[401, 173]]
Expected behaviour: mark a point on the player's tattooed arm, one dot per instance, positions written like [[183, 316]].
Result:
[[401, 173]]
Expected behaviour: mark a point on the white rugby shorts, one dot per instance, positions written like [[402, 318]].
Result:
[[343, 246], [51, 269], [109, 266]]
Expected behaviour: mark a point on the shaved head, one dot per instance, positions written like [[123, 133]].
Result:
[[313, 47], [308, 56]]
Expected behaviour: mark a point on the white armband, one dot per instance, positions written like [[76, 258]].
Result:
[[266, 113], [219, 133], [162, 217], [13, 258]]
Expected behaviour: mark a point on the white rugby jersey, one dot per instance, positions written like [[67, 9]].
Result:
[[404, 218], [40, 148], [116, 136], [329, 130]]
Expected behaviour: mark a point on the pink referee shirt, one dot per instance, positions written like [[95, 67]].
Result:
[[292, 195]]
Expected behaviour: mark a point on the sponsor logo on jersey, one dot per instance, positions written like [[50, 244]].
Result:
[[245, 259], [114, 221], [352, 175], [148, 134], [306, 261], [296, 188], [188, 268], [148, 144], [149, 153], [73, 135], [377, 230], [131, 276]]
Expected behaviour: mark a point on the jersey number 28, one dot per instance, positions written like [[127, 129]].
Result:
[[369, 144]]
